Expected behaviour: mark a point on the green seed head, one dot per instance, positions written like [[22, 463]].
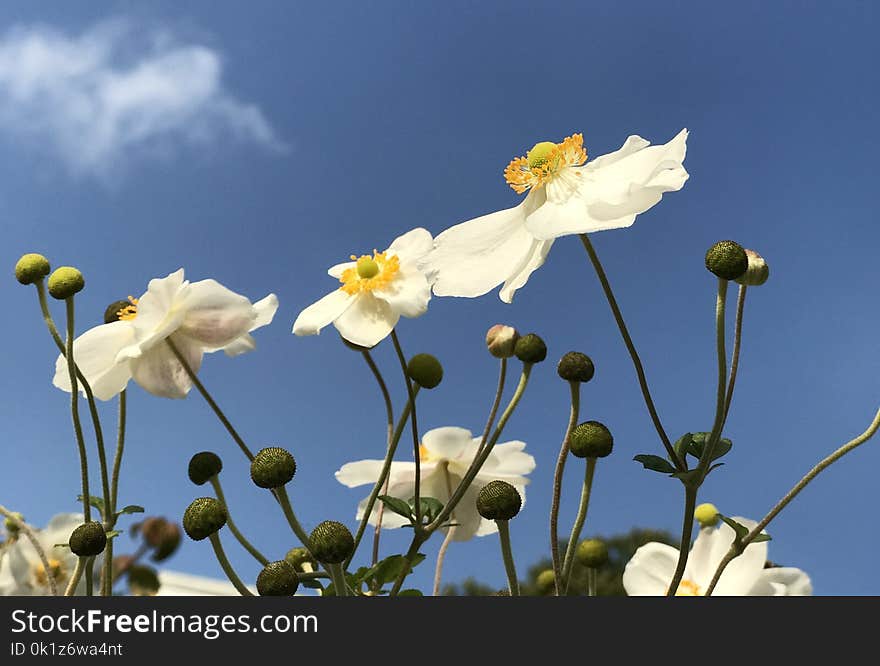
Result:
[[31, 267], [592, 553], [757, 273], [332, 542], [727, 259], [707, 515], [65, 282], [425, 370], [203, 517], [298, 557], [204, 466], [591, 439], [576, 367], [367, 267], [88, 539], [530, 349], [540, 154], [546, 581], [142, 580], [272, 467], [277, 579], [498, 500]]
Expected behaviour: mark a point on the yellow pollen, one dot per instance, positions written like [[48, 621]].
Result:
[[544, 161], [424, 454], [688, 588], [129, 312], [56, 570], [369, 273]]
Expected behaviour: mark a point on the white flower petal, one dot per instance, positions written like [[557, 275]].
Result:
[[743, 572], [264, 313], [413, 245], [532, 262], [322, 312], [157, 314], [367, 321], [244, 344], [650, 570], [94, 353], [447, 443], [337, 270], [508, 462], [216, 316], [408, 293], [360, 472], [469, 522], [159, 372], [782, 581]]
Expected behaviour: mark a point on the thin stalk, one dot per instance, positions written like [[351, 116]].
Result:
[[338, 578], [418, 540], [592, 581], [634, 355], [575, 388], [284, 500], [74, 409], [107, 577], [507, 556], [687, 530], [579, 522], [720, 398], [737, 343], [450, 533], [227, 567], [499, 392], [28, 532], [82, 563], [417, 508], [218, 490]]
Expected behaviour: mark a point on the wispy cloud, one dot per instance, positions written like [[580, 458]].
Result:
[[111, 95]]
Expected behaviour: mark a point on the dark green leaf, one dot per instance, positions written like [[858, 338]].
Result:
[[763, 536], [682, 444], [397, 505], [430, 508], [113, 534], [655, 463], [131, 508], [722, 447], [740, 529], [389, 569], [688, 478]]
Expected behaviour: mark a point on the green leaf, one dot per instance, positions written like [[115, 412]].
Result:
[[388, 569], [410, 593], [397, 505], [312, 584], [682, 444], [722, 447], [430, 507], [131, 508], [96, 502], [740, 529], [112, 534], [763, 536], [655, 463], [691, 477]]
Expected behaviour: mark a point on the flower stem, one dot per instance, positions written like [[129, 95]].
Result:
[[107, 571], [218, 490], [791, 494], [557, 485], [227, 567], [28, 532], [627, 340], [74, 409], [687, 529], [284, 500], [507, 556], [502, 378], [82, 564], [737, 343], [721, 399], [417, 541], [417, 508], [337, 575], [592, 582], [568, 563], [450, 534], [207, 396]]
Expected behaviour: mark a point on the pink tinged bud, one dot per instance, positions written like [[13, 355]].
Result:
[[501, 340]]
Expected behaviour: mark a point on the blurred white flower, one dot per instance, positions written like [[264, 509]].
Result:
[[197, 317], [376, 290], [565, 196], [650, 570], [450, 449]]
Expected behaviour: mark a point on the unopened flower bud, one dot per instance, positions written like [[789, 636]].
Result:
[[143, 581], [332, 542], [203, 467], [592, 553], [501, 340], [162, 535], [299, 557], [545, 581], [498, 500], [277, 579], [425, 370], [707, 515], [31, 267], [757, 272], [65, 282], [591, 439], [88, 539], [727, 259], [575, 367], [530, 349], [11, 526], [111, 314], [272, 467], [203, 517]]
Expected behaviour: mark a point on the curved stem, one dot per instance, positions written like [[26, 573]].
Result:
[[499, 392], [284, 501], [338, 577], [28, 532], [82, 564], [418, 540], [227, 567], [737, 343], [207, 396], [74, 409], [791, 494], [627, 340], [687, 529], [218, 490], [507, 556], [450, 533], [120, 447], [720, 398], [584, 505], [557, 486], [417, 504]]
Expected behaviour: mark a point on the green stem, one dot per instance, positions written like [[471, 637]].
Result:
[[26, 530], [227, 567], [579, 522], [557, 485], [721, 392], [450, 534], [107, 571], [627, 340], [417, 504], [74, 409], [417, 541], [284, 500], [507, 556], [207, 396], [791, 494], [592, 582], [737, 343], [687, 529], [499, 392], [337, 575], [218, 489], [82, 564]]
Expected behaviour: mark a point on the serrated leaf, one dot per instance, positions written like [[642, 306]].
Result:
[[722, 446], [682, 444], [655, 463], [96, 502], [740, 529], [397, 505], [430, 507], [131, 508]]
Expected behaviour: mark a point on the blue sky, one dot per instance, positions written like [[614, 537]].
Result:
[[296, 135]]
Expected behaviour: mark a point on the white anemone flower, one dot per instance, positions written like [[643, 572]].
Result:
[[23, 573], [565, 196], [650, 570], [375, 291], [197, 317], [445, 455]]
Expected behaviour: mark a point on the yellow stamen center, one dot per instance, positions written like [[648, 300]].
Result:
[[688, 588], [369, 273], [424, 454], [544, 161], [56, 570], [129, 312]]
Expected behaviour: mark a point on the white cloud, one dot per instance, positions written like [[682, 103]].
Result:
[[111, 95]]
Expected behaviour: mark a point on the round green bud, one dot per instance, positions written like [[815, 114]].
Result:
[[88, 539], [530, 349], [277, 579], [367, 267], [727, 259], [501, 340], [111, 314], [142, 580], [425, 370], [298, 557], [332, 542], [31, 268], [546, 581], [203, 517], [272, 467], [707, 515], [576, 367], [591, 439], [757, 273], [65, 282], [203, 467], [592, 553], [498, 500], [540, 154]]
